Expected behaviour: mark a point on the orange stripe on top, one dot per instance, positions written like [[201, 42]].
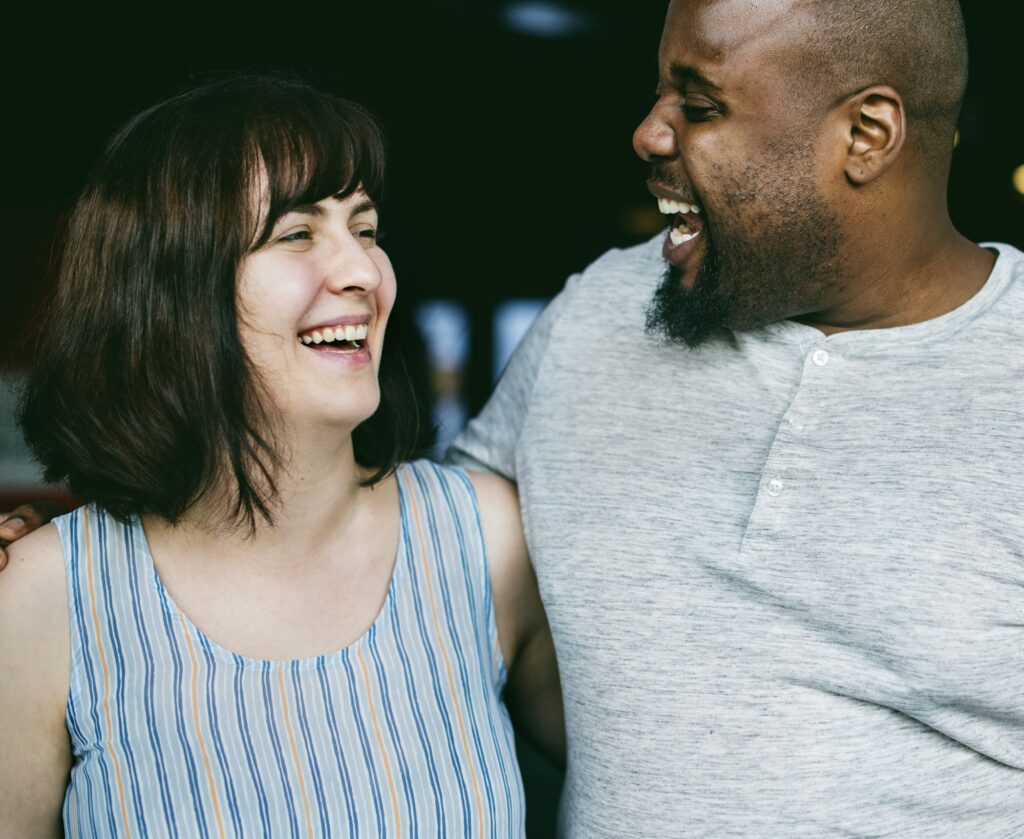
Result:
[[285, 713], [447, 661], [199, 732], [122, 801], [380, 740]]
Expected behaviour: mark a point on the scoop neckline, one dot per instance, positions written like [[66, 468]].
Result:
[[380, 623]]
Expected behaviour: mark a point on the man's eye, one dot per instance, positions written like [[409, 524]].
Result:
[[697, 113]]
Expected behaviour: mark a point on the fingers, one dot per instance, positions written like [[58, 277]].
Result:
[[11, 527]]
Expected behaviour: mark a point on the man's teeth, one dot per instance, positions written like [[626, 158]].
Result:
[[348, 332], [677, 236], [670, 208]]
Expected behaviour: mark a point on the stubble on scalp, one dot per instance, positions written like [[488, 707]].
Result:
[[772, 251]]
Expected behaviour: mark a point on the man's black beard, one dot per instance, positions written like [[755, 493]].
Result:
[[689, 317], [787, 271], [772, 250]]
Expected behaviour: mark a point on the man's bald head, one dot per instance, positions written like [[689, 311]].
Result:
[[917, 47]]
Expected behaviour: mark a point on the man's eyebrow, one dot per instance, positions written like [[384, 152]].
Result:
[[683, 74]]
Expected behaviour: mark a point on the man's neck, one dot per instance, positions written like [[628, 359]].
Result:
[[909, 282]]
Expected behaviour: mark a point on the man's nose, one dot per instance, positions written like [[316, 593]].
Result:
[[654, 138]]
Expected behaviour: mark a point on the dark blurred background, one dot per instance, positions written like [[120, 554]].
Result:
[[510, 157]]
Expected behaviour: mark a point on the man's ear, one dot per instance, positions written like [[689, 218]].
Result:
[[875, 133]]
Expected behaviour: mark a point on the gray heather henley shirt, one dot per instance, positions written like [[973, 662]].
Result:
[[784, 571]]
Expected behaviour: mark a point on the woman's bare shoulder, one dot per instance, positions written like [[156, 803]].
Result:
[[497, 498], [34, 558], [33, 590], [35, 668]]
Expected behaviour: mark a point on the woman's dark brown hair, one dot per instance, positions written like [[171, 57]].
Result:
[[140, 393]]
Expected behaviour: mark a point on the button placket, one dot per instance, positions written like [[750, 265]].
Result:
[[795, 424]]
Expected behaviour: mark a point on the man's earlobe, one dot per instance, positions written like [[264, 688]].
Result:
[[877, 132]]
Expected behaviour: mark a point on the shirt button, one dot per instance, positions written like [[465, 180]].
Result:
[[819, 357], [774, 487]]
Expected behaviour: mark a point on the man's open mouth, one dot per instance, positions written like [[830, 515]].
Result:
[[686, 223]]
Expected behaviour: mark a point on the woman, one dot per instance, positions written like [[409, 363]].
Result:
[[259, 624]]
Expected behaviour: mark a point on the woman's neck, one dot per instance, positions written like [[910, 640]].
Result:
[[315, 579], [319, 498]]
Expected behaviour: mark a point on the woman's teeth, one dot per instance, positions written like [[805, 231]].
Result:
[[330, 334]]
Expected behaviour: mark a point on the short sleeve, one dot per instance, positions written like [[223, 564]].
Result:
[[490, 441]]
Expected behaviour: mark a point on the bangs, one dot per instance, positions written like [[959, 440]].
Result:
[[307, 151]]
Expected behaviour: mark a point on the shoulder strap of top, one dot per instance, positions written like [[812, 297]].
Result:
[[445, 535], [107, 586]]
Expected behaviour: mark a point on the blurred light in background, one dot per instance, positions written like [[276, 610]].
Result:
[[1018, 179], [20, 476], [643, 219], [546, 20], [444, 325], [511, 320]]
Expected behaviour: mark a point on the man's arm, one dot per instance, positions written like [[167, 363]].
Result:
[[34, 682], [532, 693], [24, 520]]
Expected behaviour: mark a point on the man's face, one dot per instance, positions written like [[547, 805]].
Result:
[[732, 140]]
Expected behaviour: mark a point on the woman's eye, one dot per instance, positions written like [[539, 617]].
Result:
[[297, 236], [368, 236]]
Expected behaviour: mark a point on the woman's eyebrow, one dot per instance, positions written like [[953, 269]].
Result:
[[364, 206], [307, 210], [317, 210]]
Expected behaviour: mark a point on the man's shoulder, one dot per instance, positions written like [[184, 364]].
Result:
[[1000, 304], [639, 265]]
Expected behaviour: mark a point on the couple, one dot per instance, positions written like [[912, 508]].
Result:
[[776, 523]]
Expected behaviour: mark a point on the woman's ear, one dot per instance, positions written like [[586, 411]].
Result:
[[875, 134]]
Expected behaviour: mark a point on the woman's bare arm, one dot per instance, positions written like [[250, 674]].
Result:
[[34, 679], [533, 693]]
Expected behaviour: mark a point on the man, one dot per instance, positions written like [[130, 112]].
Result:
[[771, 467]]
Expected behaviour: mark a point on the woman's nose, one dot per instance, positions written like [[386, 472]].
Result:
[[352, 268]]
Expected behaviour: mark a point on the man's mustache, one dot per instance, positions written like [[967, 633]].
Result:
[[660, 176]]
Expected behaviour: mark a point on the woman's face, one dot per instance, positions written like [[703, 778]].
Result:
[[313, 303]]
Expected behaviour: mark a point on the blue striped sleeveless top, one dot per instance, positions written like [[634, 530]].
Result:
[[401, 734]]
